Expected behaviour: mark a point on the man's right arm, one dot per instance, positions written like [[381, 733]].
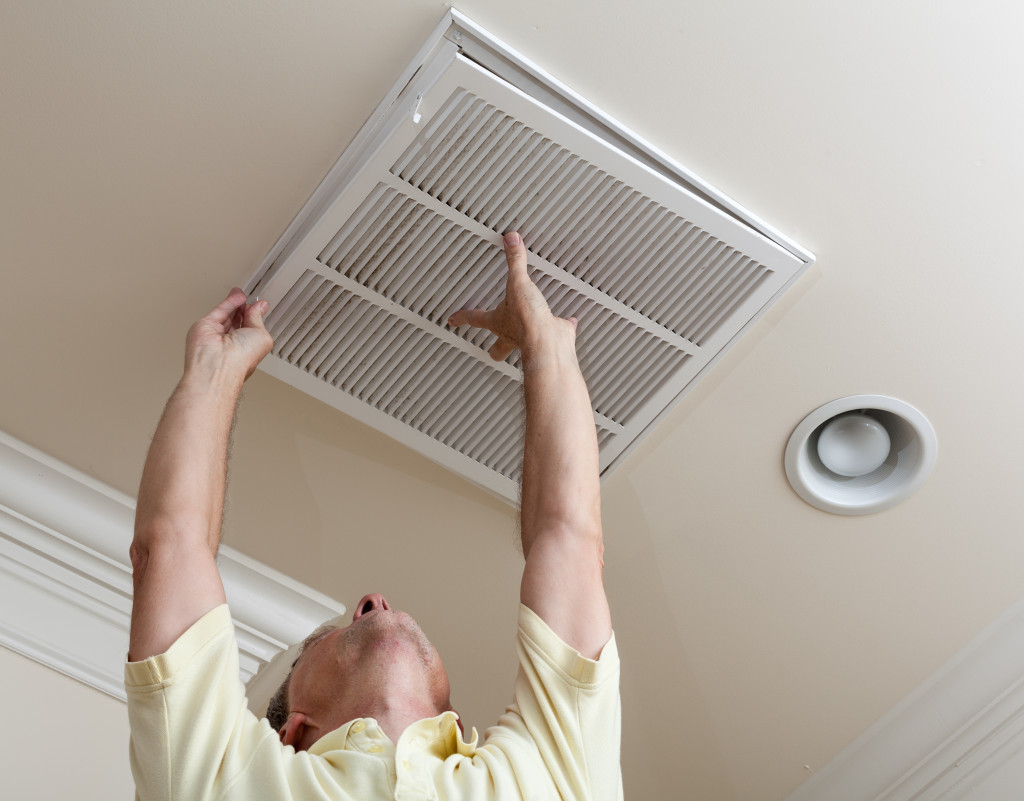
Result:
[[181, 496]]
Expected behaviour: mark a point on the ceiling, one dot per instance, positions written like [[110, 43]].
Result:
[[152, 155]]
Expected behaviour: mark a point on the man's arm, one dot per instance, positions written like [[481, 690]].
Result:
[[561, 504], [181, 496]]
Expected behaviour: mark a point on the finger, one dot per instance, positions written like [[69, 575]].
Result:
[[478, 318], [515, 254], [226, 309], [502, 348]]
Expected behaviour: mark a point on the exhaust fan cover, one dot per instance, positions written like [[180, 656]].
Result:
[[662, 270]]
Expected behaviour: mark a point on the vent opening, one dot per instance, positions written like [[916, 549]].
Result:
[[661, 270]]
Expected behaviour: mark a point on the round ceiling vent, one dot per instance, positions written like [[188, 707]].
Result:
[[860, 454]]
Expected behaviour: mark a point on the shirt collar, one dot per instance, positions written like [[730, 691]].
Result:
[[440, 736]]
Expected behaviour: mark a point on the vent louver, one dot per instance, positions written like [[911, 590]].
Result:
[[407, 228]]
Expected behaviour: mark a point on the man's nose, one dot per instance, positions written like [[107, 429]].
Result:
[[368, 603]]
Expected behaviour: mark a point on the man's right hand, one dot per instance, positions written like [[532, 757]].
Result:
[[230, 339]]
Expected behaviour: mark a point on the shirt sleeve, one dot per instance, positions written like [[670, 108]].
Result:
[[567, 712], [191, 732]]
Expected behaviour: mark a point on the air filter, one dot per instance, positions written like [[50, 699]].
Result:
[[662, 271]]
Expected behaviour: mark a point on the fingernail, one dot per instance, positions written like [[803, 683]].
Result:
[[512, 239]]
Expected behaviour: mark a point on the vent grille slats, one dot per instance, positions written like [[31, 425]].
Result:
[[470, 272], [317, 318], [553, 198]]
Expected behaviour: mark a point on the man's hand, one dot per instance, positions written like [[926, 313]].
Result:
[[522, 319], [231, 338], [561, 505]]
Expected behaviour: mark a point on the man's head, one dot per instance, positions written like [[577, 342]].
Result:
[[381, 665]]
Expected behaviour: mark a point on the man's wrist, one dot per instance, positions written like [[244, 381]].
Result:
[[552, 346], [203, 380]]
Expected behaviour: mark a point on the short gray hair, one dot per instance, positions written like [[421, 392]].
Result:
[[277, 709]]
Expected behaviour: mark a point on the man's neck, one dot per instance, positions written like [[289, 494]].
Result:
[[393, 699]]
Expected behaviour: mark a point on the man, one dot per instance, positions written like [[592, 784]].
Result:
[[365, 712]]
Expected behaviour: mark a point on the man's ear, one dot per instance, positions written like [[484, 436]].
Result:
[[294, 729]]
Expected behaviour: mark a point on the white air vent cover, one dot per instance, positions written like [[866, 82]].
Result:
[[662, 271]]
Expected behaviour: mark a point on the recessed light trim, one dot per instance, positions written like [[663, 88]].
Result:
[[911, 458]]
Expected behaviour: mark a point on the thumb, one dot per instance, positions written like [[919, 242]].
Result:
[[255, 313]]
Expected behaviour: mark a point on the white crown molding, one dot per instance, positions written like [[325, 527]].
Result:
[[65, 579], [962, 726]]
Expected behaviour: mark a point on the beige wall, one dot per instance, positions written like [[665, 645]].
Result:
[[42, 705]]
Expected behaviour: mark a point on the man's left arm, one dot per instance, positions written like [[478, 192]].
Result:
[[561, 503]]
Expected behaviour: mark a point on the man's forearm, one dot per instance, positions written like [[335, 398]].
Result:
[[182, 488], [178, 516], [561, 487], [561, 504]]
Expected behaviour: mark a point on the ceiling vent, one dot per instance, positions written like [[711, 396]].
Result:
[[663, 271]]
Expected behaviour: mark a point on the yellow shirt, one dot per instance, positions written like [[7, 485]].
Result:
[[193, 738]]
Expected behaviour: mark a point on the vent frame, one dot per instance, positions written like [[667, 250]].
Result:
[[454, 59]]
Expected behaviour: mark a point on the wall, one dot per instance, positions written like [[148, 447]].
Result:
[[44, 708]]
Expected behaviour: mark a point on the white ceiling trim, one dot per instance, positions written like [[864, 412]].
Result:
[[65, 578], [962, 725]]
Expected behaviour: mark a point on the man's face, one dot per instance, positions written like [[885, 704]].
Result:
[[347, 672]]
